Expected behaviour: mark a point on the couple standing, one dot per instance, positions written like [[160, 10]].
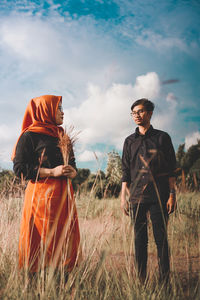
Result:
[[49, 232]]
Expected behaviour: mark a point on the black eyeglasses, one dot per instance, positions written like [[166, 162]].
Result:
[[139, 112]]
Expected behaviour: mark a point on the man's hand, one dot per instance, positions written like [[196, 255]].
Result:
[[124, 203], [171, 203], [125, 206]]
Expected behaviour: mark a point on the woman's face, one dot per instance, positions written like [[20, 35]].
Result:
[[59, 114]]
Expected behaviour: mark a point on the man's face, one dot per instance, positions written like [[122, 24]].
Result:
[[140, 116]]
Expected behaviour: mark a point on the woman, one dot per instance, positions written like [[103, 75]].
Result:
[[49, 233]]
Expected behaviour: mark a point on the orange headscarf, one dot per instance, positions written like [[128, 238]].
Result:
[[40, 117]]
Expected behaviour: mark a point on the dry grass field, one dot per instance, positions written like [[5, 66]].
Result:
[[107, 268]]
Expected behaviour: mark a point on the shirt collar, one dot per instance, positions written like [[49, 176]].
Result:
[[148, 132]]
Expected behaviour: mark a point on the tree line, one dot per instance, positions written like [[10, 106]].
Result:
[[108, 183], [188, 163]]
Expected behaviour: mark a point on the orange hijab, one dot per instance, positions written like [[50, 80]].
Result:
[[40, 117]]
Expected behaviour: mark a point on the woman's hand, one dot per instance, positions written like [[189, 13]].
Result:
[[58, 171], [64, 170], [70, 172]]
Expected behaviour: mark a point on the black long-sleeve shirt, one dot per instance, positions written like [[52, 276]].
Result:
[[146, 159], [29, 151]]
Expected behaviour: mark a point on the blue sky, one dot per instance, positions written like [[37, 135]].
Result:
[[101, 56]]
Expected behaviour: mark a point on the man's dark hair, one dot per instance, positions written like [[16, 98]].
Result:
[[148, 105]]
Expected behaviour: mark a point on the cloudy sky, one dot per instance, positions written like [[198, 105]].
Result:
[[101, 55]]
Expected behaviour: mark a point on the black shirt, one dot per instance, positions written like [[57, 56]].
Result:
[[146, 160], [29, 152]]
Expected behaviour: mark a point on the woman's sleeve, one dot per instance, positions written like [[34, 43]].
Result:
[[24, 159], [72, 161]]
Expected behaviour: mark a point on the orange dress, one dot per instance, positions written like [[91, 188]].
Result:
[[49, 231]]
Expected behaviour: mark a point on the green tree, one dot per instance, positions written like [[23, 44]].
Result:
[[189, 163], [180, 154], [196, 168], [96, 184], [113, 174], [114, 168], [8, 182], [190, 157], [81, 177]]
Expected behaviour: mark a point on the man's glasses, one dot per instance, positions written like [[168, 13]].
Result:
[[139, 112]]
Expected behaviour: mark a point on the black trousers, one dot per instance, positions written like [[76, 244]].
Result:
[[159, 219]]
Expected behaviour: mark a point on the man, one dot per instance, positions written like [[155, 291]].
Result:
[[148, 164]]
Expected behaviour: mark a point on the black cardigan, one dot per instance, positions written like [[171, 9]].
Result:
[[29, 152]]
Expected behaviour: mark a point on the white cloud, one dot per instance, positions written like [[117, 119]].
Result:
[[191, 139], [48, 53], [158, 42], [89, 156], [41, 42], [104, 117], [5, 132], [165, 115], [8, 138], [47, 56], [171, 98], [147, 86]]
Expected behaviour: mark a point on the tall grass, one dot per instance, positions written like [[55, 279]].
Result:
[[107, 268]]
